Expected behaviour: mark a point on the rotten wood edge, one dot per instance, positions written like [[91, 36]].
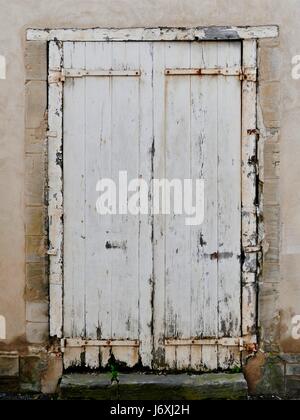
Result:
[[55, 192], [250, 246], [210, 33]]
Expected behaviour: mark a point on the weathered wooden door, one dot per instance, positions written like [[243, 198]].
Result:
[[148, 288]]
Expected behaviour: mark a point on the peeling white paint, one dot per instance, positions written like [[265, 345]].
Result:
[[55, 208], [212, 33], [249, 191]]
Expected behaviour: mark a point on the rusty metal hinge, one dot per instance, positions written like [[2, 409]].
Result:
[[63, 345], [250, 347], [252, 249], [52, 252], [253, 132], [51, 134], [56, 76], [248, 74]]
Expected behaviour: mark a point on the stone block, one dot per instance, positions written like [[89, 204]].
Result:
[[9, 366], [271, 272], [36, 282], [271, 192], [36, 60], [35, 104], [35, 249], [273, 378], [35, 223], [270, 96], [272, 233], [31, 369], [269, 64], [34, 180], [293, 387], [37, 312], [269, 315], [293, 370], [35, 140], [271, 160], [37, 333]]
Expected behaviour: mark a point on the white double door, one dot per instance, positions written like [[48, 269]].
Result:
[[152, 285]]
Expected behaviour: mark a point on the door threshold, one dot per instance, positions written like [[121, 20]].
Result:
[[139, 386]]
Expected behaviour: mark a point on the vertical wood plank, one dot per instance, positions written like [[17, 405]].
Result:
[[160, 353], [98, 166], [229, 358], [125, 231], [72, 357], [249, 310], [229, 197], [128, 355], [105, 355], [92, 357], [183, 358], [210, 358], [178, 167], [74, 194], [146, 275], [204, 156], [196, 358], [171, 358]]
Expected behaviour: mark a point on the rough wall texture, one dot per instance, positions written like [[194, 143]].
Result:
[[23, 263]]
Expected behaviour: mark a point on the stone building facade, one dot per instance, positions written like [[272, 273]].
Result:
[[29, 360]]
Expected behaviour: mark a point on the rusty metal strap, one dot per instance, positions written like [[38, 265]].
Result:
[[74, 342], [60, 76], [244, 73], [226, 342], [100, 73], [241, 342]]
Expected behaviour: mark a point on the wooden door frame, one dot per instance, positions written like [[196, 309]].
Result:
[[248, 36]]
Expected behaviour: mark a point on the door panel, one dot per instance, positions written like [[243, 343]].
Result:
[[199, 276], [152, 278], [108, 261]]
